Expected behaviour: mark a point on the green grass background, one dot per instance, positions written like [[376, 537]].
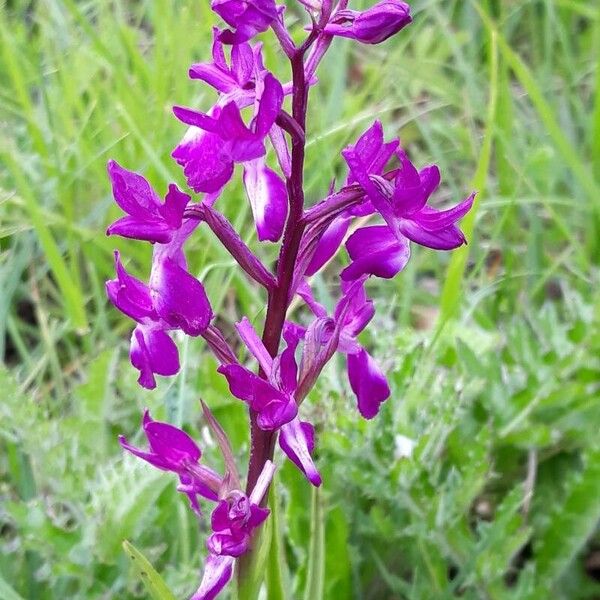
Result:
[[493, 352]]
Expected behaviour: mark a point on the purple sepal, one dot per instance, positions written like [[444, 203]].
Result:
[[148, 218], [152, 352], [274, 407], [179, 298], [328, 244], [217, 573], [268, 198], [247, 17], [371, 26], [368, 383], [171, 449], [232, 522], [375, 251], [297, 440]]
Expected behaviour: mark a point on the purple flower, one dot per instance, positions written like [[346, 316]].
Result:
[[229, 80], [247, 17], [297, 440], [233, 522], [174, 299], [148, 218], [171, 449], [371, 26], [272, 398], [352, 314], [403, 205], [217, 141]]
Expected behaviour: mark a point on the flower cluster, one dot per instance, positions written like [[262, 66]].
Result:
[[248, 119]]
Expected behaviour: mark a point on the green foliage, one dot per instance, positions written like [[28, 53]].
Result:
[[479, 479]]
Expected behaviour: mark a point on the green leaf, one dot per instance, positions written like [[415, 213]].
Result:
[[153, 582], [571, 524], [251, 566], [7, 592]]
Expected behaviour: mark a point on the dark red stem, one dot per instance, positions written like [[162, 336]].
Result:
[[263, 442]]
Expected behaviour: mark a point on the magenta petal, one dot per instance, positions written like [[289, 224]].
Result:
[[443, 239], [132, 192], [150, 230], [206, 164], [268, 197], [269, 105], [194, 118], [282, 150], [130, 295], [156, 461], [329, 244], [242, 63], [174, 206], [255, 344], [226, 544], [153, 351], [217, 573], [367, 382], [297, 441], [179, 298], [173, 444], [375, 251], [241, 381], [210, 73], [434, 220], [274, 407]]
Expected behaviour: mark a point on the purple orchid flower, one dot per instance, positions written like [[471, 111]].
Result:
[[376, 154], [371, 26], [148, 218], [171, 449], [274, 398], [384, 251], [174, 299], [230, 80], [216, 141], [352, 314], [233, 522], [247, 17]]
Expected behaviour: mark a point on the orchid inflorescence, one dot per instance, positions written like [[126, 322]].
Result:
[[382, 182]]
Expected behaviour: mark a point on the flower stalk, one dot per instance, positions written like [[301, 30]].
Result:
[[382, 183]]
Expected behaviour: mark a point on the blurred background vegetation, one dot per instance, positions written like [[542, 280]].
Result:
[[481, 477]]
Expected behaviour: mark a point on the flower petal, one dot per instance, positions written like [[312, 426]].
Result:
[[442, 239], [206, 164], [179, 298], [375, 251], [130, 295], [153, 351], [297, 440], [434, 220], [149, 230], [132, 192], [367, 382], [171, 443], [268, 198], [217, 573], [329, 244]]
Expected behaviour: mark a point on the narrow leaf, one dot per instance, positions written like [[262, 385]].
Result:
[[153, 582]]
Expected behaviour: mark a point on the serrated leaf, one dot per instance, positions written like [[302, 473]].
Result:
[[153, 582]]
